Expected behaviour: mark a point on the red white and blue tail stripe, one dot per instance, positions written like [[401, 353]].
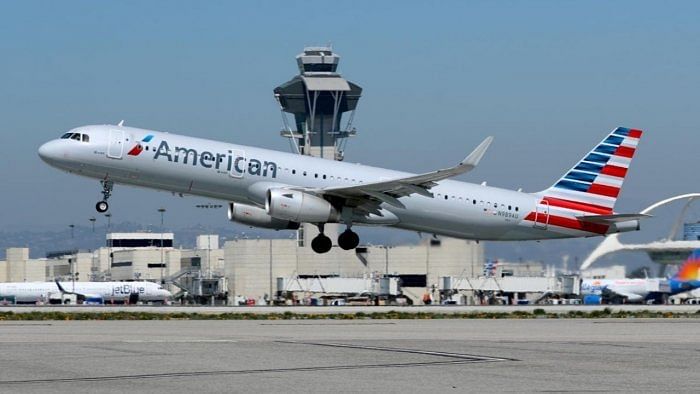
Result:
[[592, 186]]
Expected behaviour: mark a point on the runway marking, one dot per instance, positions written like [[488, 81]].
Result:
[[328, 324], [178, 341], [461, 356], [455, 359]]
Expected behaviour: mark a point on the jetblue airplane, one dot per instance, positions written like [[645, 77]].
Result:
[[277, 190], [636, 290], [31, 292]]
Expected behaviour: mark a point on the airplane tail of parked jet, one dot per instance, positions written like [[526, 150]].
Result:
[[688, 276], [690, 270]]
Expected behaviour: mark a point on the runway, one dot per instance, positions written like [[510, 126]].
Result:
[[535, 355]]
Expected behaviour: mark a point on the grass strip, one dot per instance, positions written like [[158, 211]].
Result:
[[394, 314]]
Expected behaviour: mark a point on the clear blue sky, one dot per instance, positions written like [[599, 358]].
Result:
[[547, 79]]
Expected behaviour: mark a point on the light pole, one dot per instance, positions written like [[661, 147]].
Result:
[[386, 259], [109, 220], [72, 226], [92, 220], [162, 258], [270, 294]]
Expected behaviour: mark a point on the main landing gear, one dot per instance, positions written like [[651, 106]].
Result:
[[347, 240], [321, 243], [107, 186]]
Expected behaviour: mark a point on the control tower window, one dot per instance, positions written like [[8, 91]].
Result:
[[316, 67]]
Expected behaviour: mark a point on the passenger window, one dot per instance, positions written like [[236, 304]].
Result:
[[315, 175], [446, 196], [509, 207], [304, 173], [474, 202], [294, 171], [86, 138], [324, 176], [516, 209]]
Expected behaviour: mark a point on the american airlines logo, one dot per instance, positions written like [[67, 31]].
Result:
[[136, 150], [229, 161]]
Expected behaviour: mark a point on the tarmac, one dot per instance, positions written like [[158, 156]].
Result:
[[454, 355]]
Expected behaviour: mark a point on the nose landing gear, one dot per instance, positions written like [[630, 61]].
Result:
[[103, 206]]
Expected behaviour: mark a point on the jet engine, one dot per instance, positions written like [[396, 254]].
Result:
[[257, 217], [298, 206]]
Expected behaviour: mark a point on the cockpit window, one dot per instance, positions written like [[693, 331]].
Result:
[[66, 136], [75, 136], [86, 138]]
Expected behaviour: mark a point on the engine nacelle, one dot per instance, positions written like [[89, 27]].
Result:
[[257, 217], [298, 206]]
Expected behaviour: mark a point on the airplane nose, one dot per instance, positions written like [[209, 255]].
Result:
[[50, 151]]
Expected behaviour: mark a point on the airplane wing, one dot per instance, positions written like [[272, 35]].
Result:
[[632, 297], [389, 191]]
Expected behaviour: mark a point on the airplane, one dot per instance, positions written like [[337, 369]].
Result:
[[31, 292], [637, 290], [277, 190]]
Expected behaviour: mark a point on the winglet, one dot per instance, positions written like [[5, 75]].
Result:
[[60, 288], [475, 157]]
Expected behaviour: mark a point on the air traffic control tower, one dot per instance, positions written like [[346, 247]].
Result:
[[318, 98]]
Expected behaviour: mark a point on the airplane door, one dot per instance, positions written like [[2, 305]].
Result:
[[542, 215], [115, 145], [239, 163]]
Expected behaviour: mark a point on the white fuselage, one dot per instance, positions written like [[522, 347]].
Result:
[[243, 174], [24, 292]]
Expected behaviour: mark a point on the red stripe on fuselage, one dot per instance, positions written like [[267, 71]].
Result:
[[604, 190], [578, 206], [571, 223], [612, 170]]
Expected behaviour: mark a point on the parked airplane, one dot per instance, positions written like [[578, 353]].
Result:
[[636, 290], [24, 292], [279, 190]]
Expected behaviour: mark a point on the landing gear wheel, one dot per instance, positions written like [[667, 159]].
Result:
[[348, 240], [102, 206], [321, 244], [107, 187]]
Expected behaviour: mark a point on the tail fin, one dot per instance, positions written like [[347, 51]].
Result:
[[593, 184], [690, 270]]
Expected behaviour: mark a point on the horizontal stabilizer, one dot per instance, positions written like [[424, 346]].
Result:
[[615, 218]]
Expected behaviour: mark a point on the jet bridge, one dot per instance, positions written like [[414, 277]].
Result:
[[545, 286]]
